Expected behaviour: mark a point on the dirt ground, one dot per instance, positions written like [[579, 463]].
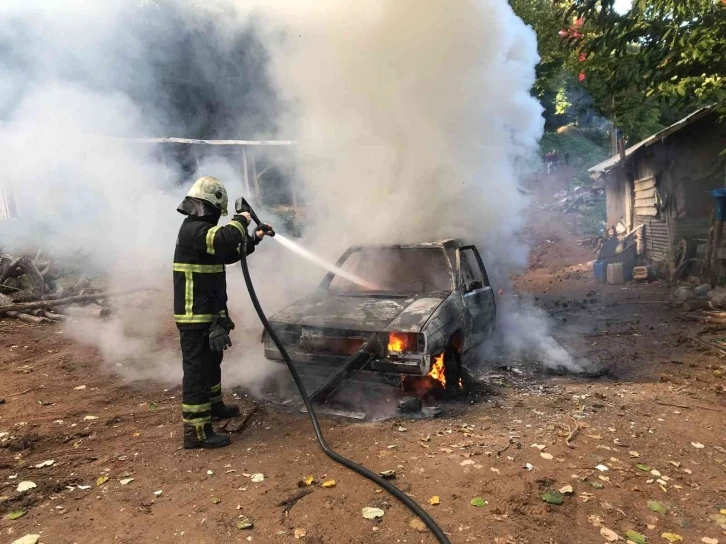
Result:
[[646, 450]]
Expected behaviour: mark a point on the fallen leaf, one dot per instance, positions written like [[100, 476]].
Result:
[[634, 454], [389, 474], [636, 537], [655, 506], [25, 486], [596, 485], [552, 497], [540, 447], [258, 477], [707, 540], [300, 533], [329, 483], [644, 468], [723, 511], [305, 482], [90, 418], [567, 490], [210, 472], [159, 493], [47, 463], [27, 539], [401, 429], [245, 523], [687, 471], [609, 534], [596, 521], [216, 500], [655, 473], [372, 513], [545, 455], [528, 466], [79, 387], [126, 481], [16, 514], [720, 449], [433, 501], [602, 468], [478, 502], [697, 445], [417, 525], [675, 463], [153, 406], [101, 480], [83, 487], [672, 537]]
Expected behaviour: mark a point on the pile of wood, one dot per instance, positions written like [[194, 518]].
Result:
[[30, 291], [579, 198]]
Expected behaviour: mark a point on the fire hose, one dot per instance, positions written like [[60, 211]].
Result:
[[241, 205]]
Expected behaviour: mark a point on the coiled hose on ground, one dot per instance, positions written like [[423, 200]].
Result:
[[355, 467]]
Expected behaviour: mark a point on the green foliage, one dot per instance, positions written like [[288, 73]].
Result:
[[672, 52], [586, 148]]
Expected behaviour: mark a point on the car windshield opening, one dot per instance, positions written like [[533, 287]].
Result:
[[395, 270]]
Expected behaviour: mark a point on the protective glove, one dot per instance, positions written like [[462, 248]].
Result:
[[243, 218], [227, 323], [218, 338]]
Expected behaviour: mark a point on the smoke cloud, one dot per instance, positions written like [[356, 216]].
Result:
[[414, 122]]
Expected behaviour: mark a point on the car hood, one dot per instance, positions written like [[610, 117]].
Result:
[[362, 313]]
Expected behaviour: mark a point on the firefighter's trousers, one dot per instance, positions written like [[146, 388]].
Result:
[[202, 382]]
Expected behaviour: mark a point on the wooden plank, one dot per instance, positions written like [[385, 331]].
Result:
[[644, 184], [645, 201], [648, 211]]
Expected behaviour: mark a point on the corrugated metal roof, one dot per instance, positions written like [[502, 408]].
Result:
[[612, 162]]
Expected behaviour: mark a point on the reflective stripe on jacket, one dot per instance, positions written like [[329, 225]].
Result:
[[200, 284]]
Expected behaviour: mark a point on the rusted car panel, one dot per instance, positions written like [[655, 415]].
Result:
[[455, 303]]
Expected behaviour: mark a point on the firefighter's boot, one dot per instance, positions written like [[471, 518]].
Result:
[[220, 410], [203, 436]]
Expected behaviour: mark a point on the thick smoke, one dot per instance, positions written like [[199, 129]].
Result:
[[413, 122]]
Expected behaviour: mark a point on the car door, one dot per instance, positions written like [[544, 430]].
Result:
[[477, 295]]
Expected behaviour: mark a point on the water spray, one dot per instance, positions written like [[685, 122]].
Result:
[[241, 205], [298, 249]]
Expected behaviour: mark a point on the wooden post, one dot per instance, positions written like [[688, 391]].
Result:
[[717, 238], [245, 173], [709, 244], [254, 182]]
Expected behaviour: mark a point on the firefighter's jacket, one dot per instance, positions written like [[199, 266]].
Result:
[[200, 283]]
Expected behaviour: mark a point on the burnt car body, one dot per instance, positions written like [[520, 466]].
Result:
[[429, 299]]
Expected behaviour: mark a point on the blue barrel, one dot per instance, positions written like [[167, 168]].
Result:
[[600, 271], [720, 196]]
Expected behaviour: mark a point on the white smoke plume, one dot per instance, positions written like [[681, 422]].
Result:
[[414, 121]]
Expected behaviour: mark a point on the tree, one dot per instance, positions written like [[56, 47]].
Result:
[[671, 51]]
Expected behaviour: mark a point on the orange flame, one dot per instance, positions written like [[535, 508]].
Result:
[[437, 370], [401, 341]]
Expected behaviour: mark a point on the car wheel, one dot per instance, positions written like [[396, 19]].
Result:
[[452, 369]]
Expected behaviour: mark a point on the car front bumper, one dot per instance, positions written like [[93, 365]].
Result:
[[414, 364]]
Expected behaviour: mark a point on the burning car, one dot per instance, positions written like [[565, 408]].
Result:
[[410, 310]]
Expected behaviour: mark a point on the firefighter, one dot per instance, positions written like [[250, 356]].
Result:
[[200, 305]]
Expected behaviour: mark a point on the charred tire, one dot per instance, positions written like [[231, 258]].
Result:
[[452, 369]]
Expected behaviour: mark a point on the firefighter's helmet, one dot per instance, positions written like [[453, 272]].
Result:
[[210, 190]]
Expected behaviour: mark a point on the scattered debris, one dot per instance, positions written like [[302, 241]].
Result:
[[609, 534], [16, 514], [388, 474], [372, 513], [329, 484], [257, 478], [27, 539], [433, 501], [552, 497], [26, 486], [417, 525], [655, 506], [479, 502], [101, 480], [567, 490], [636, 537], [47, 463], [126, 481], [299, 533], [245, 523], [288, 503]]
